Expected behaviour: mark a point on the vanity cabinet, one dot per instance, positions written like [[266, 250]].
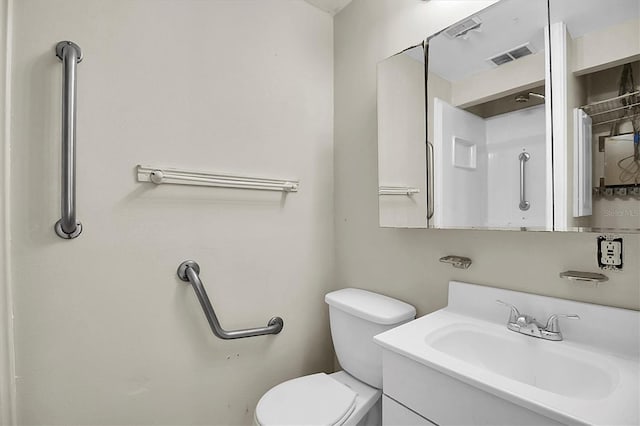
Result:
[[397, 414], [462, 365], [417, 394]]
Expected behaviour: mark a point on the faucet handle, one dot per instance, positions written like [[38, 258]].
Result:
[[515, 314], [552, 322]]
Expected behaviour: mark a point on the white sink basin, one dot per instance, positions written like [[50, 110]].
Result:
[[590, 377], [534, 362]]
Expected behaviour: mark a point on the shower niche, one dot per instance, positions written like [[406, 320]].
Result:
[[514, 134]]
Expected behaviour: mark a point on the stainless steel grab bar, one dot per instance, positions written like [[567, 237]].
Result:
[[70, 55], [430, 183], [524, 204], [189, 271]]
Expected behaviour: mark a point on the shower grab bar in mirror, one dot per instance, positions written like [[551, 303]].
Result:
[[524, 204], [189, 271], [71, 55], [397, 190], [430, 182], [160, 176]]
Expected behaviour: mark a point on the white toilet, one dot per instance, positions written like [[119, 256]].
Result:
[[352, 396]]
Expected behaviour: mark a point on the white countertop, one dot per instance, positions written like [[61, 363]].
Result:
[[617, 403]]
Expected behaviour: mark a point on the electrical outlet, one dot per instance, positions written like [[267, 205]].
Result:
[[609, 252]]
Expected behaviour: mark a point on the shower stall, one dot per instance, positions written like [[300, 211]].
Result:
[[493, 171]]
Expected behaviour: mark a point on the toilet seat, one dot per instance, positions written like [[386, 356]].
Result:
[[312, 400]]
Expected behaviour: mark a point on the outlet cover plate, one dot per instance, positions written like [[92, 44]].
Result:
[[610, 252]]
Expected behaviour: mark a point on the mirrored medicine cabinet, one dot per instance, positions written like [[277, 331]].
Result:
[[523, 116]]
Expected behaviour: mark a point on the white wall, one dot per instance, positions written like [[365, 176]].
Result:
[[486, 192], [404, 262], [105, 332], [461, 178]]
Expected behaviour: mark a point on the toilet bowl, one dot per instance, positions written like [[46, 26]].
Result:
[[349, 397], [319, 399]]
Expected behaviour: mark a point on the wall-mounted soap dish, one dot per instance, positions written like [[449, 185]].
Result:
[[457, 261], [590, 277]]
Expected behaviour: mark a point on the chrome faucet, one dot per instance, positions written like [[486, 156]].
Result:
[[526, 324]]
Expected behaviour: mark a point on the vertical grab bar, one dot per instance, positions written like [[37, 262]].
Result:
[[189, 271], [524, 204], [70, 55]]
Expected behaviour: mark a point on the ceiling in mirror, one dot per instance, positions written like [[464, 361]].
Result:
[[502, 28], [525, 99]]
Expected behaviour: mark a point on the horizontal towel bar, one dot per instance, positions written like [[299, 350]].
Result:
[[397, 190], [159, 175]]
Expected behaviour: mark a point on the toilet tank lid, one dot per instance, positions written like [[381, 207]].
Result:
[[370, 306]]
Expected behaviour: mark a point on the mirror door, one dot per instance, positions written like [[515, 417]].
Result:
[[596, 80], [490, 129], [402, 184]]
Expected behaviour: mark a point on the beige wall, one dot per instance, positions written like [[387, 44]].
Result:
[[404, 263], [508, 79], [603, 49], [105, 332]]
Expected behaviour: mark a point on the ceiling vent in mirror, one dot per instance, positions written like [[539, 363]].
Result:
[[501, 59], [462, 28], [511, 55]]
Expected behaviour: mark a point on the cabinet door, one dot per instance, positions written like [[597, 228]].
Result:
[[402, 141], [394, 414]]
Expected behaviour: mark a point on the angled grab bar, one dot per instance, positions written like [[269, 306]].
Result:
[[189, 271], [70, 55]]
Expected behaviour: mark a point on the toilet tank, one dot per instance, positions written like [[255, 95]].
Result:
[[356, 316]]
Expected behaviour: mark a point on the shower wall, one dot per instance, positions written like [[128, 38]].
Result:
[[105, 332], [460, 183], [478, 181], [507, 136]]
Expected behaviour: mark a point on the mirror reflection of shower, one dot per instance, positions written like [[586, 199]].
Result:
[[489, 113]]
